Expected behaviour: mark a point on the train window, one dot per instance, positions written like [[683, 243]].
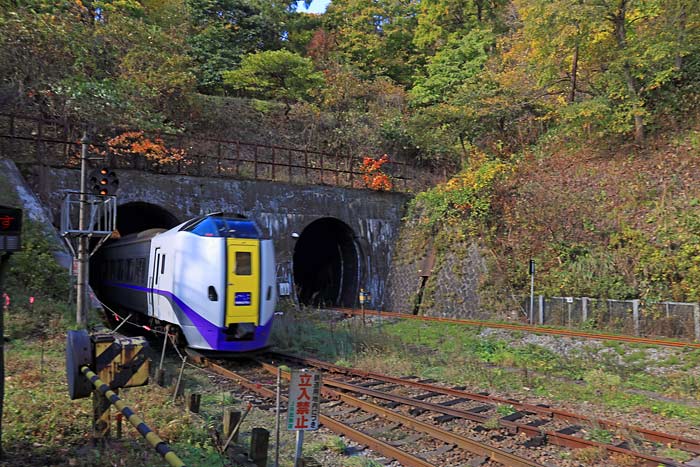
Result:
[[162, 265], [140, 270], [157, 266], [243, 263], [223, 227]]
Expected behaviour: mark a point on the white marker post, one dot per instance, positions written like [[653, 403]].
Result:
[[304, 406], [532, 291], [277, 416]]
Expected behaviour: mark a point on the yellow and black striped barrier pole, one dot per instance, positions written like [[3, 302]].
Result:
[[153, 439]]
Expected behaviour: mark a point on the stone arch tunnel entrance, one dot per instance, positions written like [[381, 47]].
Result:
[[327, 264], [139, 216], [132, 218]]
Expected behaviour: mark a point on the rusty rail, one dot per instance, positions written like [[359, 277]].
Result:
[[467, 444], [682, 442], [521, 327], [379, 446], [383, 448], [553, 437]]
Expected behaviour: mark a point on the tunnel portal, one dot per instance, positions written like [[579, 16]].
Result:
[[139, 216], [132, 218], [326, 264]]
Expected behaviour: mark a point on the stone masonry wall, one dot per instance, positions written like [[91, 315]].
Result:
[[451, 290]]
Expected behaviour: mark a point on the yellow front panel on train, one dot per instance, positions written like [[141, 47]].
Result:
[[243, 281]]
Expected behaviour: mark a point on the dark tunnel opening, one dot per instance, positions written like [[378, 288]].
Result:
[[131, 218], [140, 216], [326, 264]]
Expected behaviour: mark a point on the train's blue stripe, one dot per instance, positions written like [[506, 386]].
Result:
[[200, 322], [213, 335]]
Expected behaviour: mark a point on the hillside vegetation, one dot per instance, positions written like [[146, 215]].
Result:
[[569, 124]]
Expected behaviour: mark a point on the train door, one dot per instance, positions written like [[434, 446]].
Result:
[[153, 279], [243, 281]]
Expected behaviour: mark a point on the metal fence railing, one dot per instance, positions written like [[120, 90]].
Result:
[[29, 140], [634, 317]]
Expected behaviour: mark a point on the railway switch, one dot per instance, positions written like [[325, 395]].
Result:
[[118, 360]]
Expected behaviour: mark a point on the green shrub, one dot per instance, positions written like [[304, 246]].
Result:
[[34, 271], [466, 197]]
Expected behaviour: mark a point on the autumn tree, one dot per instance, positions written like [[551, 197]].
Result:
[[223, 32], [275, 74], [439, 20], [103, 62], [608, 59], [375, 37]]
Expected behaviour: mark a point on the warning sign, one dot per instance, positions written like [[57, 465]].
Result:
[[304, 400]]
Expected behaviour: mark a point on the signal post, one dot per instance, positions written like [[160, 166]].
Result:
[[95, 217]]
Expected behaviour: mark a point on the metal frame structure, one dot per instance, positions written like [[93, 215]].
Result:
[[100, 220]]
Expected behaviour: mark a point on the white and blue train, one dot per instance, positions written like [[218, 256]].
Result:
[[213, 277]]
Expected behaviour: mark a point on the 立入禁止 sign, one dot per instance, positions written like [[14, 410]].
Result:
[[304, 400]]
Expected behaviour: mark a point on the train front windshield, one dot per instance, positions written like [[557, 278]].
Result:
[[225, 228]]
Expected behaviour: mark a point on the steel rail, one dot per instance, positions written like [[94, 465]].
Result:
[[552, 437], [681, 442], [379, 446], [467, 444], [519, 327]]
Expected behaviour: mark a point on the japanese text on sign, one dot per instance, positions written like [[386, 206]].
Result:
[[304, 400]]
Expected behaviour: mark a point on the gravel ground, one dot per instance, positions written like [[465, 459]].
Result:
[[577, 346]]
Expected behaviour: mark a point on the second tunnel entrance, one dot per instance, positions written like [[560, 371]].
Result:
[[326, 264]]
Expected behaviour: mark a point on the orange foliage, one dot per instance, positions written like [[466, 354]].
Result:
[[372, 173], [136, 143]]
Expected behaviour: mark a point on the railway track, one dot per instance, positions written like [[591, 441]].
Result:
[[411, 442], [521, 327], [419, 423], [542, 425]]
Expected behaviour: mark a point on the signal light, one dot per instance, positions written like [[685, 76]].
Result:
[[103, 181]]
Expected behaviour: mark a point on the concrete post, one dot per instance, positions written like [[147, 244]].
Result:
[[193, 402], [584, 309], [696, 319], [635, 316], [541, 300], [259, 443]]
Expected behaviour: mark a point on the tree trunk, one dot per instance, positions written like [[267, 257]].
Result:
[[681, 36], [574, 72], [465, 153], [633, 87]]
